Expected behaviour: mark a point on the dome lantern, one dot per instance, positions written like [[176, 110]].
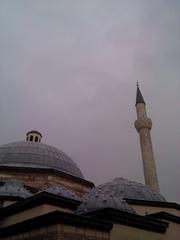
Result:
[[33, 136]]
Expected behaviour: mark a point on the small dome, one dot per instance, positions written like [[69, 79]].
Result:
[[102, 201], [123, 188], [14, 188], [63, 192], [37, 155]]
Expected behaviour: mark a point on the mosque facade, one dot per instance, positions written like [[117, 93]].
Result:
[[44, 195]]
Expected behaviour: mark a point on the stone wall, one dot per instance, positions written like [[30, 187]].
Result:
[[43, 180], [61, 232]]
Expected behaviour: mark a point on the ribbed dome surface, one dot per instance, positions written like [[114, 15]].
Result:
[[102, 201], [123, 188], [37, 155]]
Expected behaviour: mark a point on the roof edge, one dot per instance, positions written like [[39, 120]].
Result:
[[38, 199], [153, 203], [55, 218], [130, 219], [164, 215]]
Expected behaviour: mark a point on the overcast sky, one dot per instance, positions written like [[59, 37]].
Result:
[[69, 69]]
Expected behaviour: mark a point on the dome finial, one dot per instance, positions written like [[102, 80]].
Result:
[[33, 136]]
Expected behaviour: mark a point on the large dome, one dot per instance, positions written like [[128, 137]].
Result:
[[123, 188], [37, 155]]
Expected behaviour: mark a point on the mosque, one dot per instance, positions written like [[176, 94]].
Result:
[[44, 195]]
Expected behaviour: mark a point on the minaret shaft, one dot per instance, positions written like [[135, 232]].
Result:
[[143, 125], [149, 166]]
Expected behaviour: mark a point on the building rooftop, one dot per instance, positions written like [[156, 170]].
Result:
[[123, 188], [102, 201]]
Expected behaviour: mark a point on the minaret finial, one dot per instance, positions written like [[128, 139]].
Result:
[[137, 84]]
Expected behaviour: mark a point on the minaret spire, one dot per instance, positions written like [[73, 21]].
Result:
[[139, 96], [143, 125]]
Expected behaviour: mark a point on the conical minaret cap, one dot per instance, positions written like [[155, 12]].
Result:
[[139, 96]]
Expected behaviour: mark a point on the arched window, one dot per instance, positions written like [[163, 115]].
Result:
[[31, 138], [36, 139]]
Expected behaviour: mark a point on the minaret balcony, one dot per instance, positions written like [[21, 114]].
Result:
[[143, 123]]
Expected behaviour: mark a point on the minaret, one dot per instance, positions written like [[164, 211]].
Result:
[[143, 125]]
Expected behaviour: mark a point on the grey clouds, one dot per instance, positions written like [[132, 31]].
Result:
[[69, 69]]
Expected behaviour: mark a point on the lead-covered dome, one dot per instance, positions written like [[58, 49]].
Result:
[[123, 188], [98, 201], [62, 192], [37, 155], [14, 188]]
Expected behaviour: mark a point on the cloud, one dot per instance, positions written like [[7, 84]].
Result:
[[69, 68]]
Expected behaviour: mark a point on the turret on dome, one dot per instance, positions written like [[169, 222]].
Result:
[[33, 136]]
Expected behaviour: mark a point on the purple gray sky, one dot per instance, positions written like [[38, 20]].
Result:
[[69, 69]]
